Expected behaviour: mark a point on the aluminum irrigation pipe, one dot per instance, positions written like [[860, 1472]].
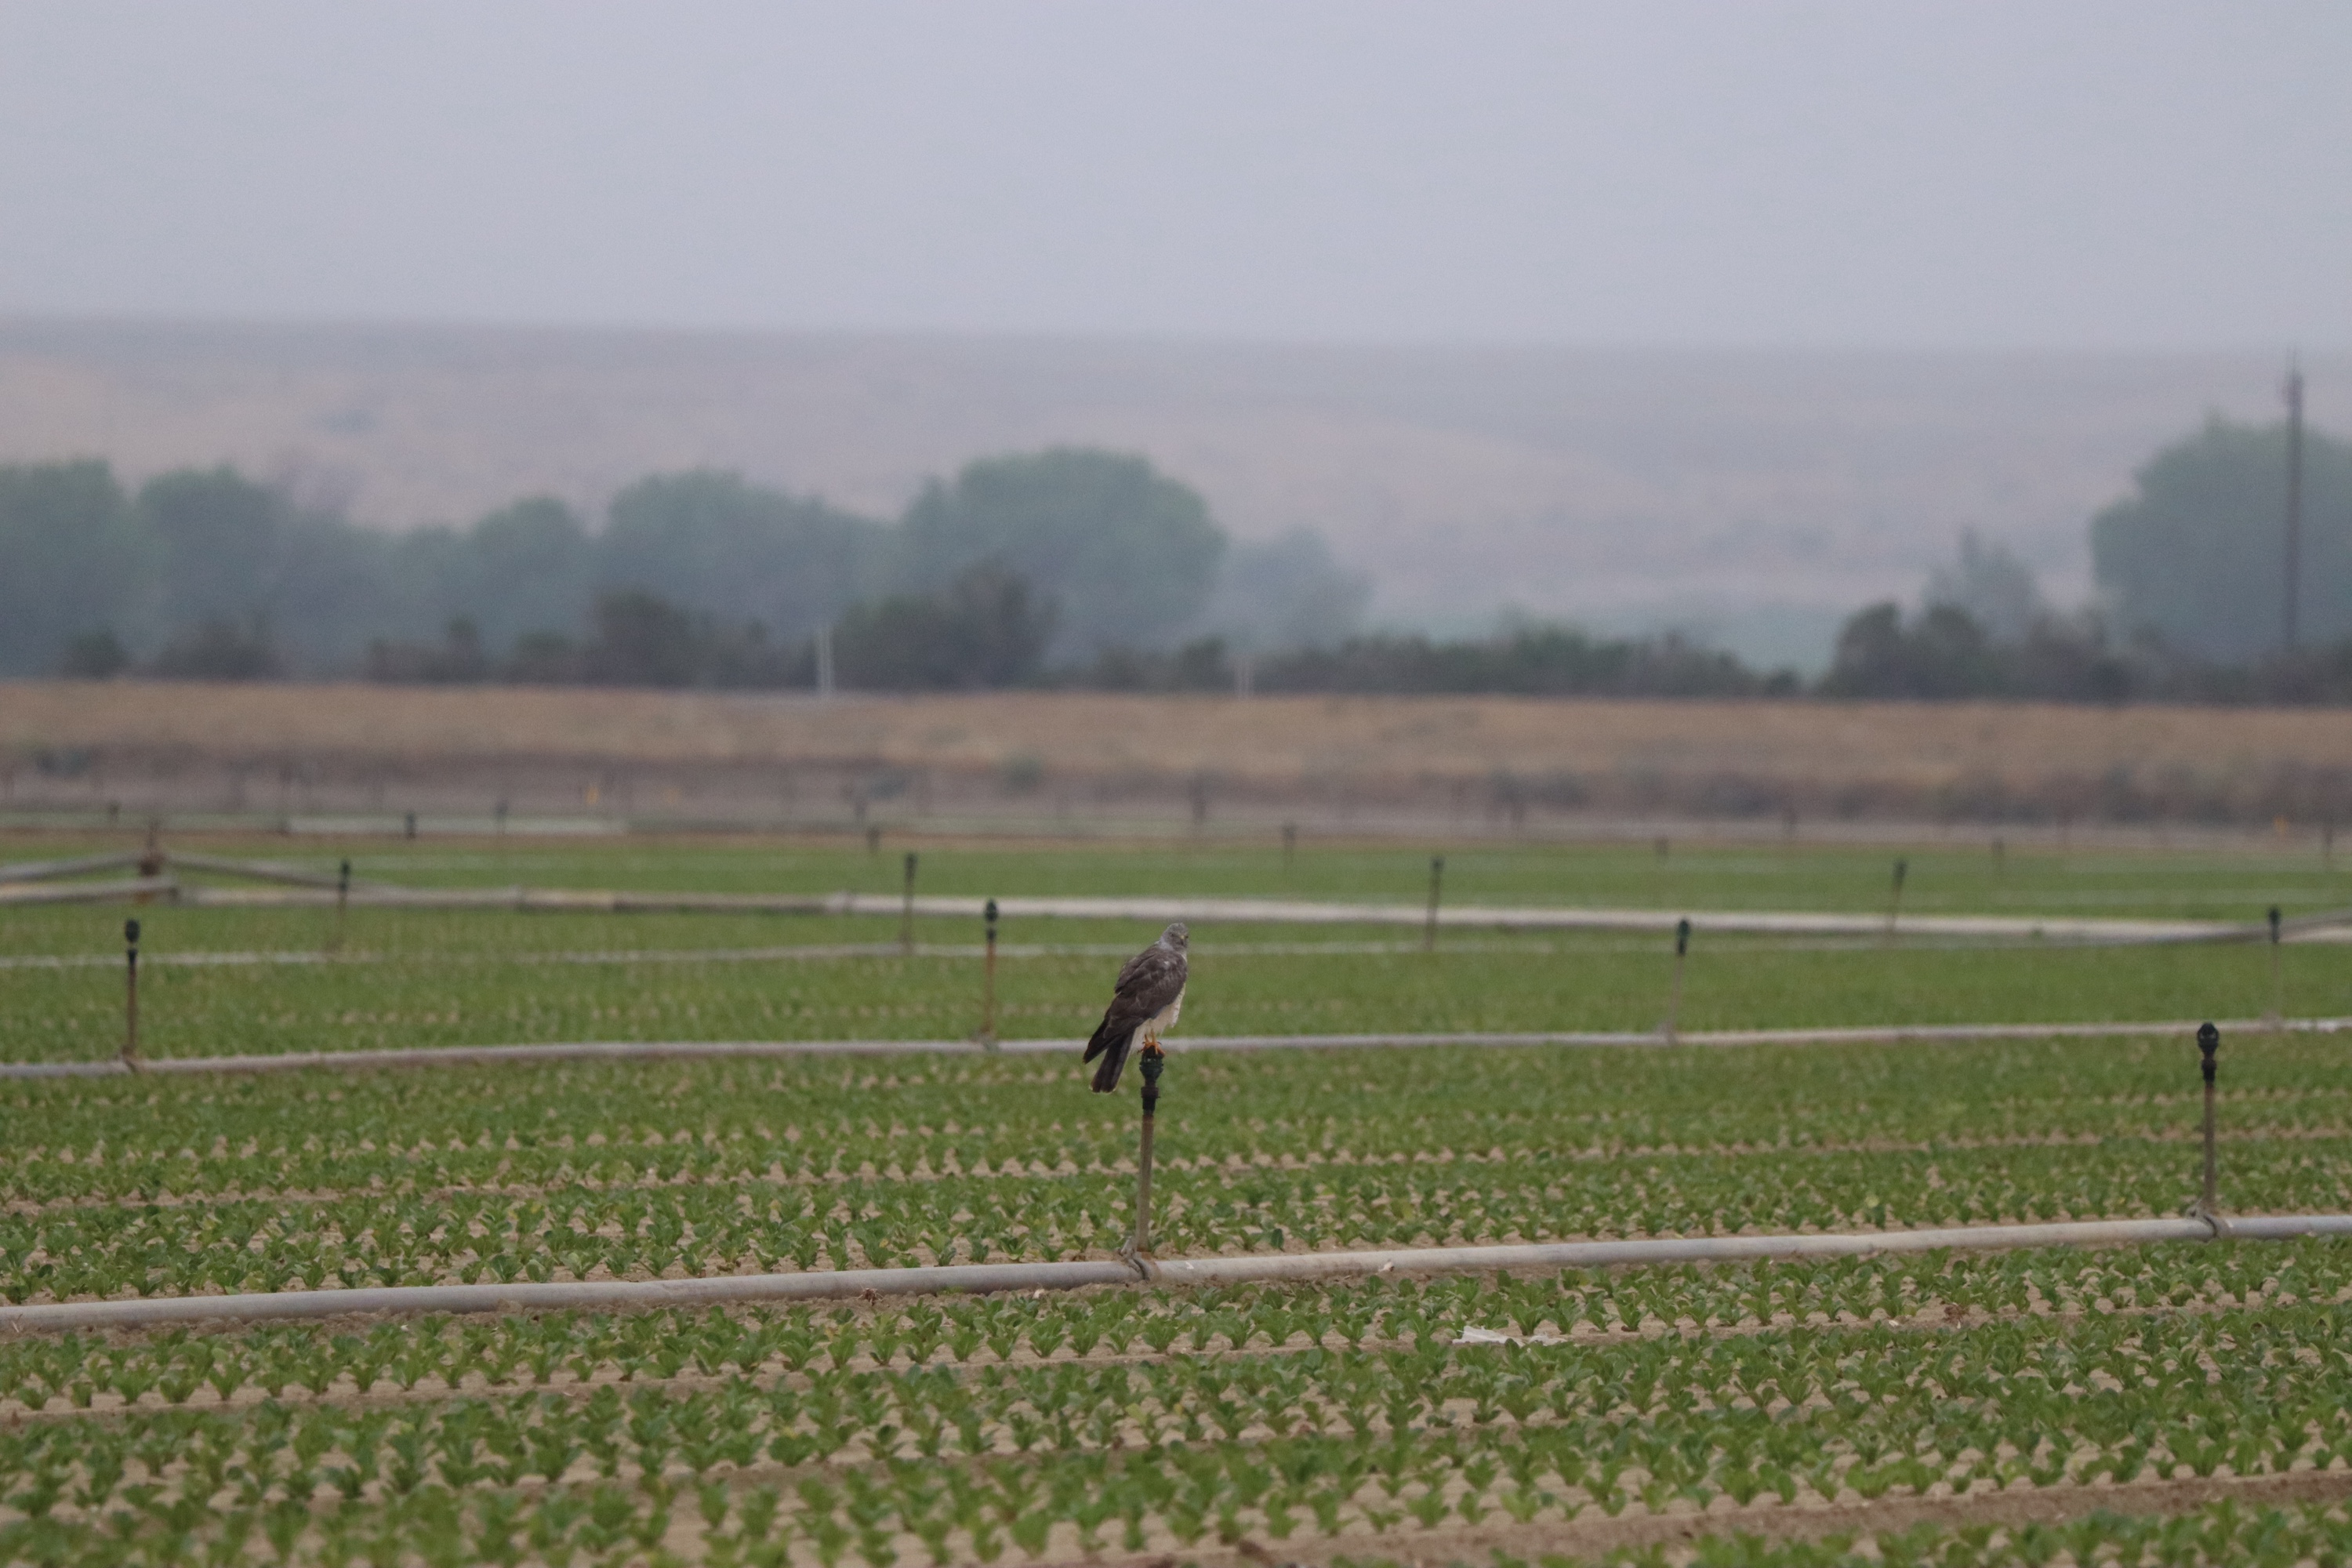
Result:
[[51, 871], [259, 871], [2325, 925], [202, 958], [134, 890], [556, 900], [817, 952], [846, 1284], [684, 1050], [1307, 1266]]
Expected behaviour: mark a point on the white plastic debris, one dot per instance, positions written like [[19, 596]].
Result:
[[1475, 1335]]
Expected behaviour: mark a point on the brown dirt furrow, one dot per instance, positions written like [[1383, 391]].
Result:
[[1593, 1534]]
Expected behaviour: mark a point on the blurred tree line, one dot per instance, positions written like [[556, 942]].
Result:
[[2190, 571], [1081, 568], [1018, 564]]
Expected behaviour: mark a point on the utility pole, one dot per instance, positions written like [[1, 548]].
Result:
[[2293, 602]]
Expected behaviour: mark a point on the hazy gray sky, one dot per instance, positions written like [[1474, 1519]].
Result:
[[2139, 173]]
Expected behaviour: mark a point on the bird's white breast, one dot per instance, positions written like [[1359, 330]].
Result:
[[1159, 1024]]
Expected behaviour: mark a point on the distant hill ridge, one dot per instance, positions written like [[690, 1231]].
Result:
[[1756, 495]]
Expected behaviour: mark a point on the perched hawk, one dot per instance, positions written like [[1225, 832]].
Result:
[[1144, 1006]]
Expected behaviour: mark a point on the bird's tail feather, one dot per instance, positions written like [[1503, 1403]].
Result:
[[1114, 1060]]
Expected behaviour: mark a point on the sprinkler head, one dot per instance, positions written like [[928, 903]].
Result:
[[990, 915], [1682, 936], [2209, 1041], [130, 932], [2275, 922]]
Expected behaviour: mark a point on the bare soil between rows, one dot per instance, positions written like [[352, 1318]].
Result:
[[1597, 1534]]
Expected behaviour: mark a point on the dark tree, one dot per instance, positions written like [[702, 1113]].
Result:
[[219, 534], [642, 639], [1941, 653], [742, 553], [522, 568], [233, 552], [1286, 593], [458, 659], [93, 656], [542, 658], [987, 628], [1130, 556], [70, 559], [1203, 664], [2196, 556], [1532, 661], [221, 649]]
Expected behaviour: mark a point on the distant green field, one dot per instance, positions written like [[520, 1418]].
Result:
[[1802, 876], [436, 991], [443, 977]]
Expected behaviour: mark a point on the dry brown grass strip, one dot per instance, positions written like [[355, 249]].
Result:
[[1271, 740]]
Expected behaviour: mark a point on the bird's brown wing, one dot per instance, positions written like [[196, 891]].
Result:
[[1147, 985], [1136, 971]]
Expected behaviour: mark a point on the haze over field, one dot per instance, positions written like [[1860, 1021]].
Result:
[[1757, 496], [1724, 318]]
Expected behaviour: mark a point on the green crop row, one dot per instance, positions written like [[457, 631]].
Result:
[[921, 1115], [77, 1013], [365, 1239], [167, 1187], [2223, 1534], [609, 1525], [1178, 1447], [176, 1366]]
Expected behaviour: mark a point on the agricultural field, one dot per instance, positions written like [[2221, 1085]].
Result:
[[2186, 1402], [222, 981]]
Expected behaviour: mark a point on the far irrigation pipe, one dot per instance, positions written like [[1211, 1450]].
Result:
[[689, 1050], [133, 889], [264, 871], [52, 871], [1280, 912], [846, 1284], [2325, 924]]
